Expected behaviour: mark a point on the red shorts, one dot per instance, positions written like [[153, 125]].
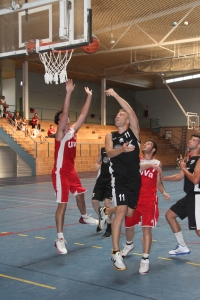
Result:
[[145, 214], [63, 183]]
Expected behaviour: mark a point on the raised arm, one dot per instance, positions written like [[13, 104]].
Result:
[[134, 125], [195, 177], [84, 110], [64, 116]]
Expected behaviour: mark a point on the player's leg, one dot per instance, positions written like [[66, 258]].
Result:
[[97, 196], [61, 187], [129, 223], [120, 212], [177, 210], [78, 190], [108, 232]]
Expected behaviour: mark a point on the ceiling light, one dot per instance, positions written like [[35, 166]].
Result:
[[112, 41], [188, 77]]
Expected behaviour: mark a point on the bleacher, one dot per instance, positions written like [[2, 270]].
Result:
[[90, 138]]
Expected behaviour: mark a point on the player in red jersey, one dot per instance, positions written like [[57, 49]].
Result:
[[146, 212], [64, 176]]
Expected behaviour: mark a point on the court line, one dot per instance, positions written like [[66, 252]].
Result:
[[31, 230], [191, 263], [164, 258], [29, 282]]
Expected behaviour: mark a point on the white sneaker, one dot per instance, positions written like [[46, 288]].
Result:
[[144, 266], [102, 218], [88, 220], [60, 246], [118, 261], [180, 250], [127, 249]]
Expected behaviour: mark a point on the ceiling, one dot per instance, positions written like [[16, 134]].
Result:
[[149, 37]]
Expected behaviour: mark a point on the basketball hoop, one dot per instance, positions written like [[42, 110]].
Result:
[[55, 64], [54, 61]]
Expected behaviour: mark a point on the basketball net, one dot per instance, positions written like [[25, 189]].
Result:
[[55, 64]]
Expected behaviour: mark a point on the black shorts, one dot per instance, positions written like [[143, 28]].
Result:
[[126, 193], [189, 206], [102, 190]]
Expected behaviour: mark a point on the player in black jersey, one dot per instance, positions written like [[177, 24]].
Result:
[[188, 206], [102, 190], [122, 147]]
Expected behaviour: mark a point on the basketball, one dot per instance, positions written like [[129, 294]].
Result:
[[92, 47]]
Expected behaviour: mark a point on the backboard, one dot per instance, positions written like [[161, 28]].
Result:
[[192, 121], [56, 24]]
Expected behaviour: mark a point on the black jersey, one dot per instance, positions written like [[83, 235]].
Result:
[[125, 165], [189, 186], [104, 170]]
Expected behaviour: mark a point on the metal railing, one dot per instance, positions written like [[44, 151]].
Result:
[[16, 131], [174, 140]]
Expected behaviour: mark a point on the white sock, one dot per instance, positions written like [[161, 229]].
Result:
[[129, 243], [84, 216], [60, 235], [145, 255], [179, 238]]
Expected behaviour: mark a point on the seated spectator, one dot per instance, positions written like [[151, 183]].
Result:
[[3, 106], [35, 121], [17, 120], [179, 159], [51, 132], [35, 133], [23, 125]]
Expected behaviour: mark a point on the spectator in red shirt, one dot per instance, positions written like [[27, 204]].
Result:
[[51, 132], [35, 121]]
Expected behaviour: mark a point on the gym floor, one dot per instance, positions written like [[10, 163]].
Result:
[[30, 267]]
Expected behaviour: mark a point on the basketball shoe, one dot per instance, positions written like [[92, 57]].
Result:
[[88, 220], [102, 218], [144, 266], [60, 246], [180, 250], [118, 261], [127, 249]]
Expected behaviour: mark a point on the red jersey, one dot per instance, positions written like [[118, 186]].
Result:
[[148, 179], [65, 153]]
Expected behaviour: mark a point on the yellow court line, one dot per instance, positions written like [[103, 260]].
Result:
[[79, 244], [29, 282], [96, 247], [164, 258], [23, 234], [191, 263], [154, 240], [40, 237], [137, 253]]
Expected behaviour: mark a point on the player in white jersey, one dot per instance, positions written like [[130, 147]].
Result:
[[146, 212], [64, 177]]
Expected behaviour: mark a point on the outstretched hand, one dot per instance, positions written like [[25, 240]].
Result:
[[88, 91], [69, 85], [166, 196], [110, 92], [127, 147]]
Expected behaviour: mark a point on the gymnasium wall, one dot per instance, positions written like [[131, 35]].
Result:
[[159, 103], [162, 105], [51, 96]]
